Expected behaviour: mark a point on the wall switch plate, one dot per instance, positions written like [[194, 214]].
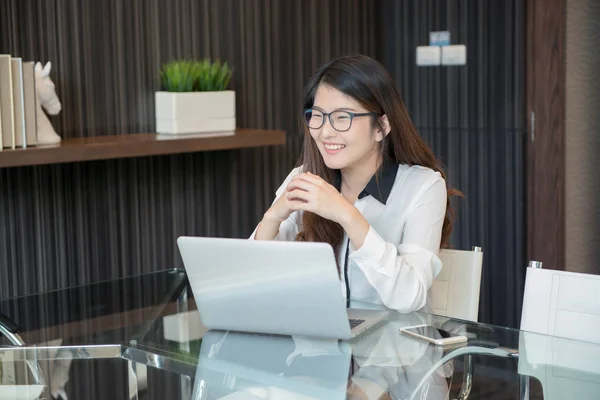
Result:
[[454, 55], [428, 55], [440, 38]]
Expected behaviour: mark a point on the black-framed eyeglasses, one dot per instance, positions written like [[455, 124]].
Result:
[[340, 120]]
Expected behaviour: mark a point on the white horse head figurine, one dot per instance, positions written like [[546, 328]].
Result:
[[47, 99]]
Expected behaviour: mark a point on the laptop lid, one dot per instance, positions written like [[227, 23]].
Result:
[[287, 288]]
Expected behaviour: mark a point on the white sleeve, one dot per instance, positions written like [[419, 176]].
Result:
[[403, 273], [288, 230]]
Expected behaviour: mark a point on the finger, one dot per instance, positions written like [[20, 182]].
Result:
[[314, 179], [300, 184], [299, 205], [298, 194]]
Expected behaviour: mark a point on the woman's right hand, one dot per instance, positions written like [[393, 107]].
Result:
[[280, 210], [268, 229]]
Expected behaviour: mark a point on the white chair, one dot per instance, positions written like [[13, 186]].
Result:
[[561, 311], [455, 291], [559, 306], [563, 304]]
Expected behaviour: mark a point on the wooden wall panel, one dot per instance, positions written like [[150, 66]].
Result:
[[546, 21]]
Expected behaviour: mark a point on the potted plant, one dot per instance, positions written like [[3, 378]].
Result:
[[194, 98]]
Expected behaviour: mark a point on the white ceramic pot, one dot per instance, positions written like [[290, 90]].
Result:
[[195, 112]]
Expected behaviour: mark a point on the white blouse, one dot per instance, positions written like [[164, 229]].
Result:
[[398, 260]]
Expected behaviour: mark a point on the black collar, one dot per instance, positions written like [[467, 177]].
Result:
[[380, 185]]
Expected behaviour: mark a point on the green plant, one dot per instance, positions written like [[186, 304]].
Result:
[[195, 76]]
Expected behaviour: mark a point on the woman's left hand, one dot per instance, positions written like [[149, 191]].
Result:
[[309, 192]]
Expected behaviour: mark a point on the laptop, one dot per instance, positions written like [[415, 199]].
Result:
[[283, 288]]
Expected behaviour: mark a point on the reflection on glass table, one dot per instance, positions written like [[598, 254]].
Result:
[[53, 335], [382, 363], [142, 337]]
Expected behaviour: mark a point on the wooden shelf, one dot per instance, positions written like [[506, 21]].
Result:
[[136, 145]]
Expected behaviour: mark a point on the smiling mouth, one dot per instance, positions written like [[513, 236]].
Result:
[[334, 146]]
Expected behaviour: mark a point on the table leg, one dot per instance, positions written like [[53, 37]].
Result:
[[186, 382], [138, 379], [524, 387], [467, 384]]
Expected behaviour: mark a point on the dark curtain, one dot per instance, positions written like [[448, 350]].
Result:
[[473, 116]]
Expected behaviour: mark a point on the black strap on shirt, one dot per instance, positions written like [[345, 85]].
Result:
[[346, 273]]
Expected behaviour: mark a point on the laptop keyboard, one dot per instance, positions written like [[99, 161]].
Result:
[[355, 322]]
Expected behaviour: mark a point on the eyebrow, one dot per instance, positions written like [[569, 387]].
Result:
[[337, 109]]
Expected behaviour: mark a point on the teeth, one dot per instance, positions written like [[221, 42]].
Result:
[[334, 146]]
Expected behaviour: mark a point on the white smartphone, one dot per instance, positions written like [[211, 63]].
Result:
[[434, 335]]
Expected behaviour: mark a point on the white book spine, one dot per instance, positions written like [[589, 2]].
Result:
[[30, 102], [18, 102], [6, 102], [1, 147]]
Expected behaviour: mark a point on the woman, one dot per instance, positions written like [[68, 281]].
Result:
[[368, 185]]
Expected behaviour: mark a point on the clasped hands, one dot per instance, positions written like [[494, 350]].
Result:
[[309, 192]]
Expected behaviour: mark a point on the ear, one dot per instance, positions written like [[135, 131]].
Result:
[[47, 68], [380, 134], [38, 67]]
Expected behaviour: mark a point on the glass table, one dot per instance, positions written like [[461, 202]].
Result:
[[142, 338]]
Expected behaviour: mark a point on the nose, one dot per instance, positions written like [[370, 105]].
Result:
[[327, 131]]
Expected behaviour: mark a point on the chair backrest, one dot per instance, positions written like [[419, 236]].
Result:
[[455, 291], [558, 306], [560, 303]]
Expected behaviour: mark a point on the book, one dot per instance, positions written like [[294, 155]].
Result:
[[18, 102], [0, 128], [30, 102], [6, 102]]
